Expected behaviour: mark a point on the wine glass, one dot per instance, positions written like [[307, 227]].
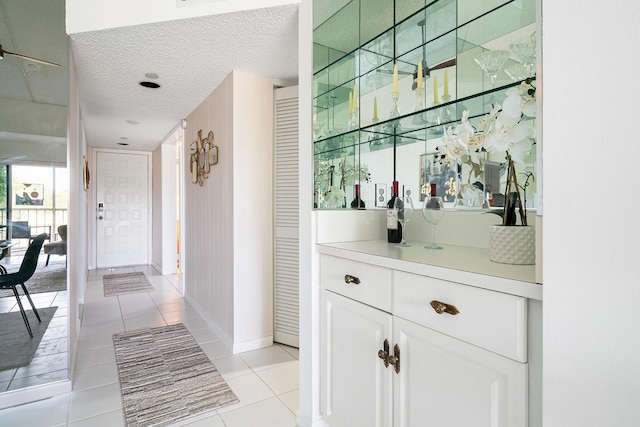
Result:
[[525, 50], [432, 211], [402, 210], [492, 61]]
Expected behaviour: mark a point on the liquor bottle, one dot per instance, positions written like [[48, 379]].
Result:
[[394, 229], [357, 202]]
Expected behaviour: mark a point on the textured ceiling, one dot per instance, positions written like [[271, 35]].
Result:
[[191, 58], [33, 97], [36, 29]]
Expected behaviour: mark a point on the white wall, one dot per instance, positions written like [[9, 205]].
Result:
[[228, 222], [591, 227], [156, 206], [208, 219], [163, 182], [253, 165]]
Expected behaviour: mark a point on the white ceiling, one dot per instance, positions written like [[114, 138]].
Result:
[[190, 56]]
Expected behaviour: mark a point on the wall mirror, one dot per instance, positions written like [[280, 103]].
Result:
[[34, 182], [363, 136]]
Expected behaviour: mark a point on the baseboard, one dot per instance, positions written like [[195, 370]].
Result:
[[227, 341], [236, 348], [255, 344], [304, 421], [33, 394]]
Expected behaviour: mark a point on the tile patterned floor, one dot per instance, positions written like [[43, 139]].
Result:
[[50, 361], [266, 380]]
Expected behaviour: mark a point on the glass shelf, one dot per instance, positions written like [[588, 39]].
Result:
[[418, 126]]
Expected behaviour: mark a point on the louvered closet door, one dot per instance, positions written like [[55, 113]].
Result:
[[286, 281]]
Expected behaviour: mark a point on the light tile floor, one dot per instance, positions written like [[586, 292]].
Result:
[[266, 380], [50, 360]]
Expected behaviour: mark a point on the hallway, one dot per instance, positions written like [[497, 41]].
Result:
[[266, 380]]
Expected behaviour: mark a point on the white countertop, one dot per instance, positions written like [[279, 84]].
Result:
[[470, 266]]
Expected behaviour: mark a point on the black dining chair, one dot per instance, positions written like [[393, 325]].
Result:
[[27, 268]]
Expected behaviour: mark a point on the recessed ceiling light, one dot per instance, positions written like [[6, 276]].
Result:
[[150, 85], [151, 75], [133, 122]]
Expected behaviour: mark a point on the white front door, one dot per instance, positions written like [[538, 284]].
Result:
[[122, 209]]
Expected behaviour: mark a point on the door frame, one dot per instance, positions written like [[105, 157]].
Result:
[[92, 203]]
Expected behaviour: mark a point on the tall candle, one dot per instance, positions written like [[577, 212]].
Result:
[[435, 90], [350, 103], [419, 75], [355, 96], [446, 83], [375, 109], [394, 87]]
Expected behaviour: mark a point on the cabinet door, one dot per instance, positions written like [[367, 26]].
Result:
[[445, 381], [355, 385]]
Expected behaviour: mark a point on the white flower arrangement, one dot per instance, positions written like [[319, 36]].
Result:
[[507, 129]]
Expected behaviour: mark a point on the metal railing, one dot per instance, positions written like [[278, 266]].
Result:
[[41, 220]]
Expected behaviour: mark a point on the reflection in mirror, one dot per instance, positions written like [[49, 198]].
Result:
[[34, 201], [34, 189], [396, 136]]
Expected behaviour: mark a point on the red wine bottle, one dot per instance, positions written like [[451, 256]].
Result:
[[357, 202], [394, 229]]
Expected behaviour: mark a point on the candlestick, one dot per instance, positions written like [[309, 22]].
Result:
[[419, 75], [395, 109], [435, 90], [355, 96], [394, 87], [446, 83], [375, 109]]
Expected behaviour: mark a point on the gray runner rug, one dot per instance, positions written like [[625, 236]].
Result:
[[16, 347], [52, 278], [165, 377], [125, 283]]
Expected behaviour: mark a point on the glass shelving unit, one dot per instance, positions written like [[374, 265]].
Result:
[[446, 35]]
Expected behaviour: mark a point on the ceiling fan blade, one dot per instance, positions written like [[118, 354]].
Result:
[[28, 58], [445, 64]]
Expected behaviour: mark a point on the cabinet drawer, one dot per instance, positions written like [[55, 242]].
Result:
[[375, 282], [488, 319]]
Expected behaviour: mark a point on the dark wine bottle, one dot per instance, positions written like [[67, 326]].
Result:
[[357, 202], [394, 229]]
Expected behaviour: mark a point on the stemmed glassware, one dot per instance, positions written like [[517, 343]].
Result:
[[403, 210], [432, 211], [492, 61], [525, 50]]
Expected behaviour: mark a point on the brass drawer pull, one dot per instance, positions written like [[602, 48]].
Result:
[[441, 307], [351, 279]]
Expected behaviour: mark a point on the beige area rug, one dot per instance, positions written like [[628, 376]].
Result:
[[165, 377], [125, 283], [16, 347]]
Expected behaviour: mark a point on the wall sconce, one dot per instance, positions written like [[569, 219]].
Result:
[[203, 155]]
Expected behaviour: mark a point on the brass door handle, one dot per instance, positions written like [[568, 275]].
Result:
[[441, 307], [395, 359], [351, 279], [384, 354]]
